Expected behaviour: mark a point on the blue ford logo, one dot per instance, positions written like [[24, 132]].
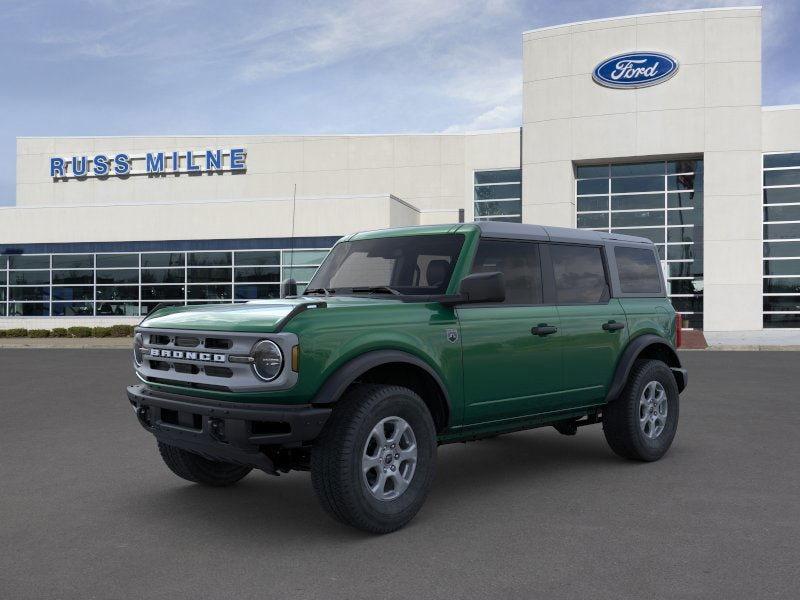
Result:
[[635, 70]]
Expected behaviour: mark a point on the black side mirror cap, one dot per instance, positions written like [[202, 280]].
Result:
[[288, 288], [478, 288]]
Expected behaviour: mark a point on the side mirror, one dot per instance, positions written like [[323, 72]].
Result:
[[478, 288], [288, 288]]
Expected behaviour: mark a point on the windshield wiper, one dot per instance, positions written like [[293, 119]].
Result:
[[323, 290], [376, 289]]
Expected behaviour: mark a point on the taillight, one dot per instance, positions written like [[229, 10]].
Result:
[[678, 330]]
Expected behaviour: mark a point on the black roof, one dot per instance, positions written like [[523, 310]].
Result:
[[553, 234]]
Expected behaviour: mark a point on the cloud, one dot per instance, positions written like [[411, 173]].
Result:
[[497, 117], [332, 35]]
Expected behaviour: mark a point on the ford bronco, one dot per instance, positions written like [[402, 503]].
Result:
[[410, 338]]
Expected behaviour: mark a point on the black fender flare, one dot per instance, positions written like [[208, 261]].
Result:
[[632, 351], [337, 383]]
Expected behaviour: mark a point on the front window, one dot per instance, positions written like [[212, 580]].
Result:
[[408, 265]]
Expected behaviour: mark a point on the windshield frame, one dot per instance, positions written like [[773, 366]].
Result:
[[343, 249]]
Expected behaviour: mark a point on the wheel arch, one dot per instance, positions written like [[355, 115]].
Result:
[[393, 367], [646, 346]]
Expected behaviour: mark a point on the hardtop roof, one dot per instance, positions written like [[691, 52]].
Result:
[[499, 229]]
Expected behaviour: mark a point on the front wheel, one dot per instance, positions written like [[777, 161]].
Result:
[[374, 461], [641, 423]]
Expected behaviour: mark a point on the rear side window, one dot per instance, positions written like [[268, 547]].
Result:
[[638, 270], [579, 274], [519, 264]]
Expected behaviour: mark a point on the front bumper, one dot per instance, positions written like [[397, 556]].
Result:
[[226, 431]]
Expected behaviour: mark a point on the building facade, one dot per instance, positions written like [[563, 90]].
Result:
[[650, 125]]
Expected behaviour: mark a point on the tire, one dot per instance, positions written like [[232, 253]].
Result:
[[350, 440], [636, 438], [193, 467]]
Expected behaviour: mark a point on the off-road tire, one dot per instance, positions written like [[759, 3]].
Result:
[[336, 472], [621, 416], [197, 469]]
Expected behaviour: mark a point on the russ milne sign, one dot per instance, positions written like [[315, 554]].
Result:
[[635, 70], [151, 163]]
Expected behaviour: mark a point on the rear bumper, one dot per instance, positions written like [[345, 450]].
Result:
[[225, 431]]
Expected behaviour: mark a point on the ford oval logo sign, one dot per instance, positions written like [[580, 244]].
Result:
[[635, 70]]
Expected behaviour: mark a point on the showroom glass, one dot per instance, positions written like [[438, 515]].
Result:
[[659, 200], [519, 264], [133, 283], [498, 195], [781, 223], [414, 265]]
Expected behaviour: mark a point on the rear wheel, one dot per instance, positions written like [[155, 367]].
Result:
[[193, 467], [374, 461], [641, 423]]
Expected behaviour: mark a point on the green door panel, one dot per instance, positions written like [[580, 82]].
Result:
[[508, 371], [590, 352]]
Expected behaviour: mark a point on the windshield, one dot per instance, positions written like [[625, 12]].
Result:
[[414, 264]]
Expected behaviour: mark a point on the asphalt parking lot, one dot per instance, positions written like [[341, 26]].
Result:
[[87, 509]]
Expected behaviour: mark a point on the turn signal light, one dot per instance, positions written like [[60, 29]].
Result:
[[678, 330], [295, 358]]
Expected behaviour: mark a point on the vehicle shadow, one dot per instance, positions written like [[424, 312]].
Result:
[[264, 509]]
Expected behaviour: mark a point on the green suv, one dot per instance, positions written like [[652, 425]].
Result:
[[410, 338]]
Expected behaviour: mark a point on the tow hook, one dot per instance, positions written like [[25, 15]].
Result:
[[143, 414], [216, 428]]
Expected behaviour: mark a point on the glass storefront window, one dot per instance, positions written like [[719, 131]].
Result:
[[209, 259], [108, 284], [116, 261], [658, 200], [29, 261], [498, 195], [73, 261], [29, 277], [163, 259], [781, 287], [73, 309], [107, 276], [258, 258], [73, 292]]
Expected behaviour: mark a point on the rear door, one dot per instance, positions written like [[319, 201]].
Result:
[[593, 325], [511, 350]]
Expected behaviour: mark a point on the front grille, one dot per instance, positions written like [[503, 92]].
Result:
[[201, 360]]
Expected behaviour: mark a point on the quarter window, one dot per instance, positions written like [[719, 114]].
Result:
[[638, 271], [579, 274], [519, 264]]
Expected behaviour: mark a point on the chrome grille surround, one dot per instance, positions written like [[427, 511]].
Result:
[[163, 349]]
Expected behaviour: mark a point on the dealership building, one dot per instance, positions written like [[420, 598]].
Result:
[[650, 125]]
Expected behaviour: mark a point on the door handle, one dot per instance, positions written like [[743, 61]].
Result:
[[613, 326], [543, 330]]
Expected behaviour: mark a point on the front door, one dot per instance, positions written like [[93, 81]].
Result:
[[511, 350]]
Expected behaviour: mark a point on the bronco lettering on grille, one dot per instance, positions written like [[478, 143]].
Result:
[[184, 355]]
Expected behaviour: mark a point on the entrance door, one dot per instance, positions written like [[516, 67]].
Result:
[[511, 350]]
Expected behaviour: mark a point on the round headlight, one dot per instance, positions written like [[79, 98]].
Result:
[[268, 360], [138, 343]]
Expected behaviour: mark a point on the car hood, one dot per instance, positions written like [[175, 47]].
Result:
[[260, 316]]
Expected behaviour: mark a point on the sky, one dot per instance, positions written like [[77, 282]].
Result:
[[172, 67]]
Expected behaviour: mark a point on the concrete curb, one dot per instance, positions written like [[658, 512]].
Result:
[[754, 347], [67, 343]]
